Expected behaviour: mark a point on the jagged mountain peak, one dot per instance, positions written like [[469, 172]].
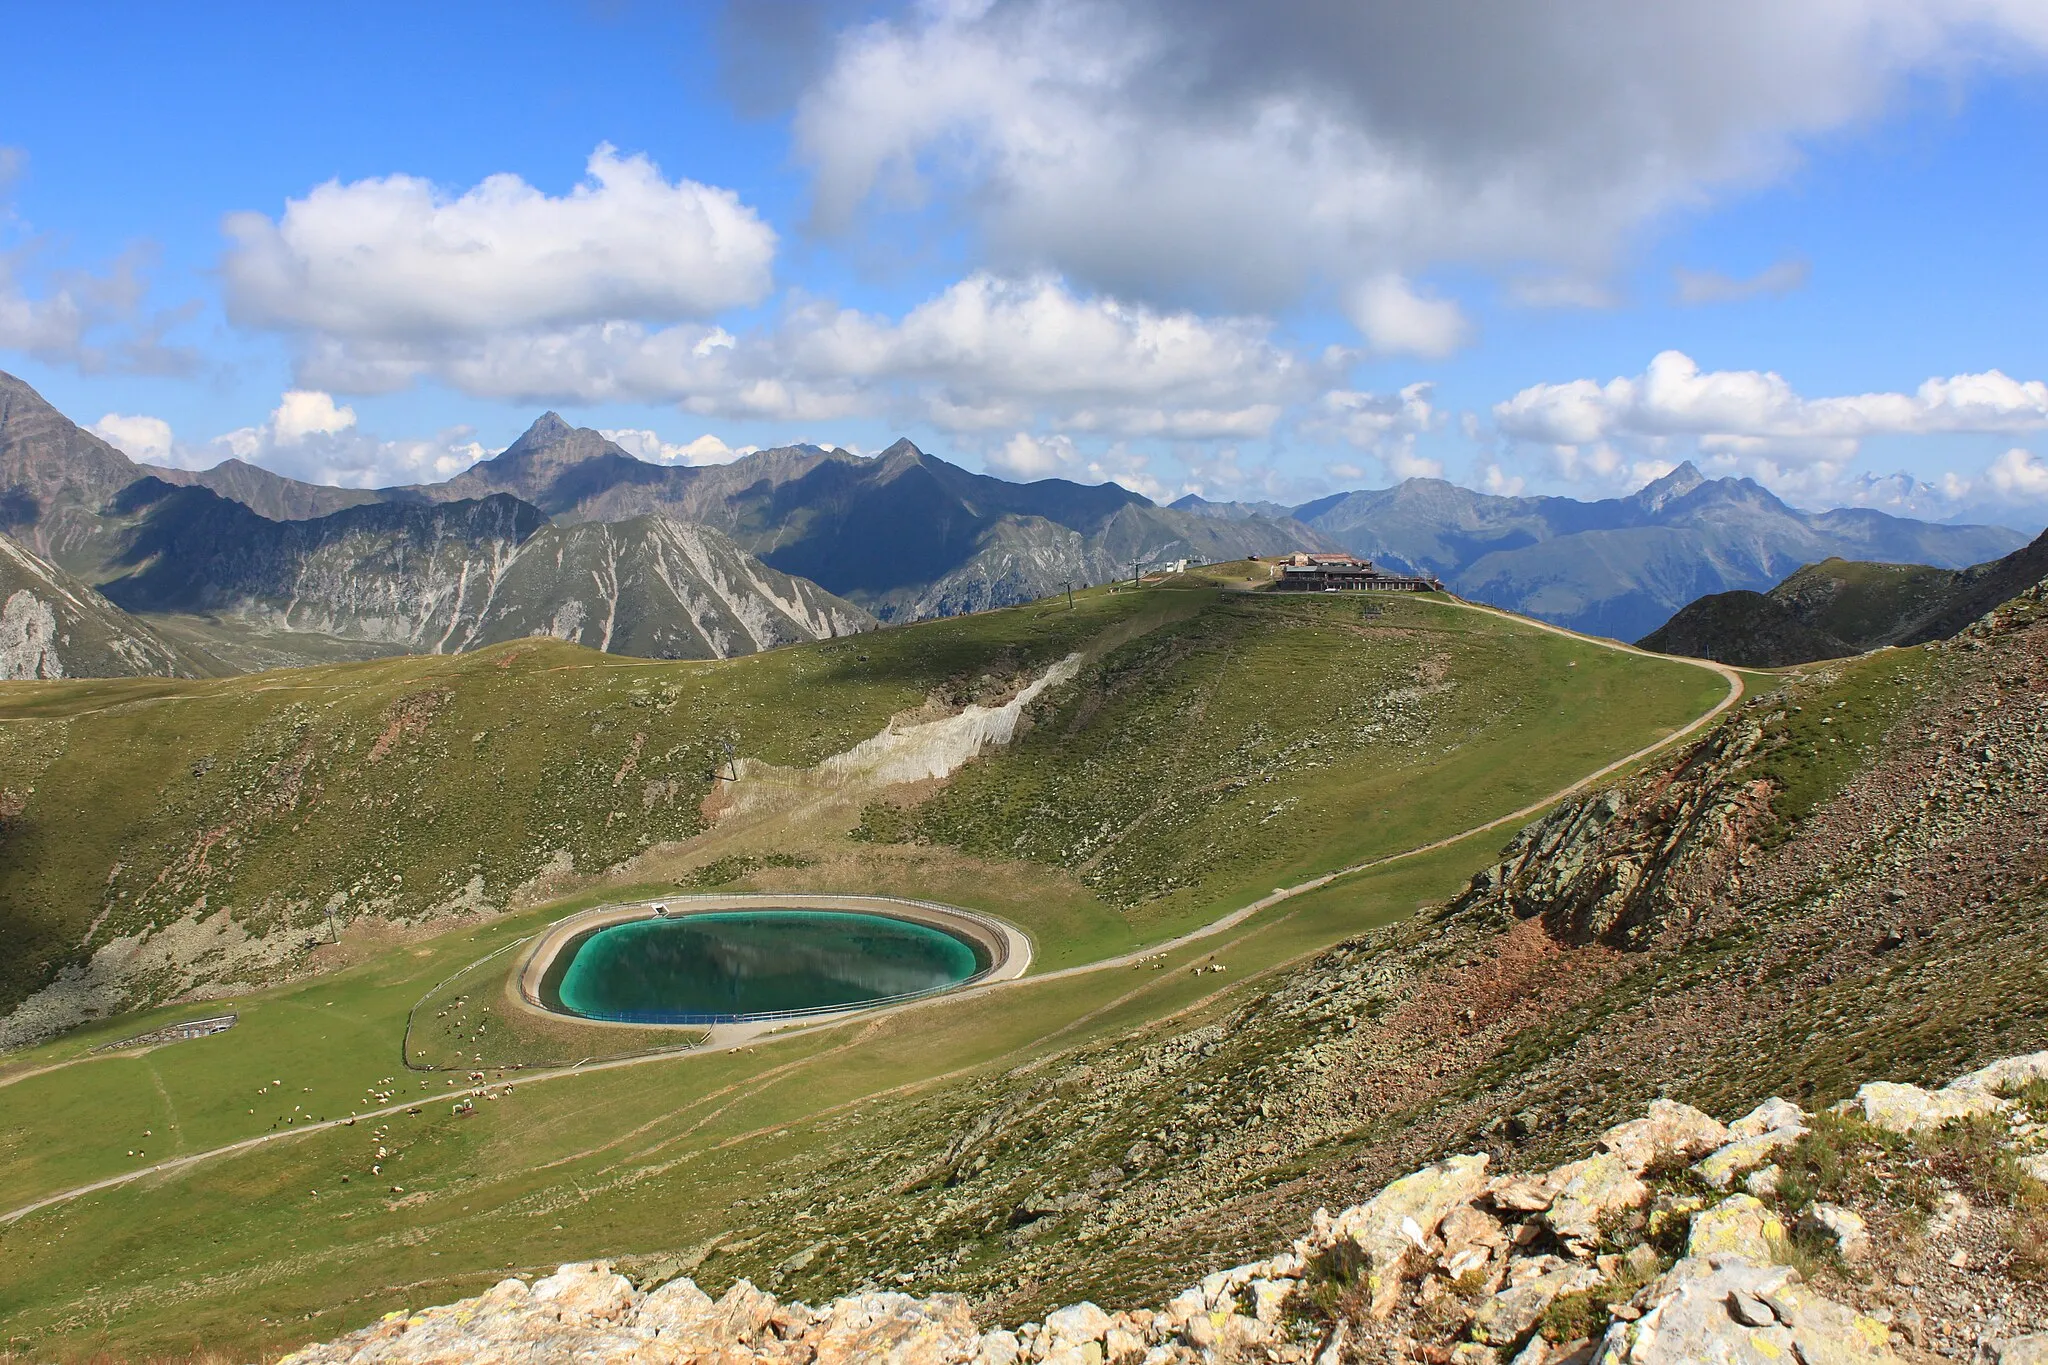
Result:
[[1658, 493], [549, 426]]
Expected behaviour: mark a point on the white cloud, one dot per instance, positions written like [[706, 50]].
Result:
[[1707, 286], [308, 412], [2019, 473], [1757, 413], [986, 348], [396, 258], [307, 436], [1500, 483], [139, 437], [1381, 424], [1390, 314], [648, 445], [1251, 156], [1025, 456], [984, 355], [94, 321]]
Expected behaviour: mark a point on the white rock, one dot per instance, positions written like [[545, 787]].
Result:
[[1907, 1109], [1693, 1318], [1772, 1113], [2027, 1350], [1669, 1131], [1081, 1322], [1720, 1168], [1843, 1228], [997, 1348], [2007, 1073]]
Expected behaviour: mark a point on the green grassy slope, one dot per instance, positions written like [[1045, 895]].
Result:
[[1273, 739], [1186, 690], [405, 784]]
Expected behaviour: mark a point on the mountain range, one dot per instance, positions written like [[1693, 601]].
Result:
[[1620, 566], [564, 533]]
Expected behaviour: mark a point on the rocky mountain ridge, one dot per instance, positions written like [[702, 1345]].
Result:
[[905, 535], [53, 626], [1622, 566], [268, 570], [1645, 1251], [447, 577]]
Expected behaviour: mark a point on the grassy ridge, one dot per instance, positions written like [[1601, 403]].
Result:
[[1272, 739]]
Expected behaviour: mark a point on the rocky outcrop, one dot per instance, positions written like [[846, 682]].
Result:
[[1616, 866], [1441, 1265], [54, 626]]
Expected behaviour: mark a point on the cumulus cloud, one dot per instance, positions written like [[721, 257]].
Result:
[[1211, 151], [1383, 425], [649, 446], [1026, 457], [2019, 473], [986, 354], [307, 436], [139, 437], [1707, 286], [1397, 320], [397, 258], [1757, 412], [308, 412]]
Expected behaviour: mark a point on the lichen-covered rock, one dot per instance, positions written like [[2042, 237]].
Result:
[[1524, 1193], [1508, 1317], [1670, 1131], [1403, 1218], [895, 1329], [1721, 1167], [1598, 1186], [1696, 1314], [1769, 1116], [2027, 1350], [1907, 1109], [2007, 1073], [1740, 1225]]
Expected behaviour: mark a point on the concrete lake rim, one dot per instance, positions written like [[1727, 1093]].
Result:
[[1006, 948]]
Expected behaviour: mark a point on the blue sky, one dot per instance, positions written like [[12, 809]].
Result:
[[1544, 247]]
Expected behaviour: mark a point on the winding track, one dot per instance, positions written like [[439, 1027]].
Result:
[[742, 1035]]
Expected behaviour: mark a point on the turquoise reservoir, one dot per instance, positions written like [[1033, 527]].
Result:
[[741, 964]]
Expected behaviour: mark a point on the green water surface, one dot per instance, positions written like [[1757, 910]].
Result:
[[697, 968]]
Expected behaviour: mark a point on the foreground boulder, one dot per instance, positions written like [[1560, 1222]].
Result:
[[1729, 1309]]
